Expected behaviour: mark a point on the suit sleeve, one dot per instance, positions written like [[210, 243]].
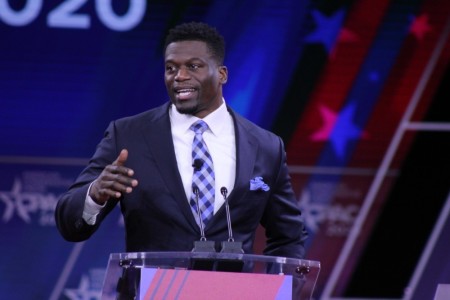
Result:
[[70, 206], [285, 230]]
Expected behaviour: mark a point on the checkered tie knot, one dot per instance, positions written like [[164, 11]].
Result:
[[203, 177]]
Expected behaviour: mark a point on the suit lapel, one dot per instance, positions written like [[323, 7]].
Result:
[[158, 137], [246, 150]]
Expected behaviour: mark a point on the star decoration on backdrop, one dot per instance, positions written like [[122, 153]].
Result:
[[420, 26], [327, 30], [345, 36], [83, 292], [329, 119], [339, 129]]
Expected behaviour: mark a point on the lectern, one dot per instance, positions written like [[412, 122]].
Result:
[[208, 275]]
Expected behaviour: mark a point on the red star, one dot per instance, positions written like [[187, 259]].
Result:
[[420, 26], [345, 36], [329, 119]]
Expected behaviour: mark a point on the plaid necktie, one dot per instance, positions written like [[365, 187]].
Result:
[[203, 177]]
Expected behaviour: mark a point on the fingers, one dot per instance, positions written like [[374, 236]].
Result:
[[114, 181], [122, 158], [118, 166]]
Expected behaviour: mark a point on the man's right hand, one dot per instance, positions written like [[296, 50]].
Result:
[[115, 180]]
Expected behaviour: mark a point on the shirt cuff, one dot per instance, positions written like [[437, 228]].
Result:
[[91, 209]]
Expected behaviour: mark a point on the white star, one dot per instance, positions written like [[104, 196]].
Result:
[[83, 292]]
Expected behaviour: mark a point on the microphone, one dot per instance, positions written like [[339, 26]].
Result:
[[229, 246], [197, 164], [202, 245], [195, 190]]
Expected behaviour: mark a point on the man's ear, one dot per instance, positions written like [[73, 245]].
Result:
[[223, 74]]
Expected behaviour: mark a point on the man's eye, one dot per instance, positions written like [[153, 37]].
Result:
[[194, 66], [170, 68]]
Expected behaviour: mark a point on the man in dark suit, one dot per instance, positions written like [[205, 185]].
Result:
[[147, 163]]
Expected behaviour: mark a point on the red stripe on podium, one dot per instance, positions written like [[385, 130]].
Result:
[[183, 284]]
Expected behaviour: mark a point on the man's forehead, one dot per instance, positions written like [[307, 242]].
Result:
[[187, 50], [187, 45]]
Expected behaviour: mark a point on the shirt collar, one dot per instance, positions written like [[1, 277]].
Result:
[[215, 120]]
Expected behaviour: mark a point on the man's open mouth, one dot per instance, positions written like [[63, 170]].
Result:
[[184, 93]]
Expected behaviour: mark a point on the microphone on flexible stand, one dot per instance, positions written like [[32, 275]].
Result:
[[230, 246], [202, 245]]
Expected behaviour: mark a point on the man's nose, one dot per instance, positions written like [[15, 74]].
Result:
[[182, 74]]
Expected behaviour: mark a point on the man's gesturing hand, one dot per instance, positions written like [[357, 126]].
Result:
[[113, 181]]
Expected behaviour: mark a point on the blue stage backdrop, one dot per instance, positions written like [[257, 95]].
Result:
[[69, 67], [333, 78]]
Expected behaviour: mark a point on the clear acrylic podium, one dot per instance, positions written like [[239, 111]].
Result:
[[208, 275]]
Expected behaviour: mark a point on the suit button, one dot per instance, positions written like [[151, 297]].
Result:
[[79, 224]]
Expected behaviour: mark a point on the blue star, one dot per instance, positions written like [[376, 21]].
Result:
[[345, 129], [327, 29]]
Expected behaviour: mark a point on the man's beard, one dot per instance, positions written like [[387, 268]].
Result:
[[192, 110]]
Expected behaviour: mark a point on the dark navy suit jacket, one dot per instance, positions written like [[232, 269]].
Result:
[[157, 214]]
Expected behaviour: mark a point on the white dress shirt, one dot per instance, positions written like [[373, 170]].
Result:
[[221, 142]]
